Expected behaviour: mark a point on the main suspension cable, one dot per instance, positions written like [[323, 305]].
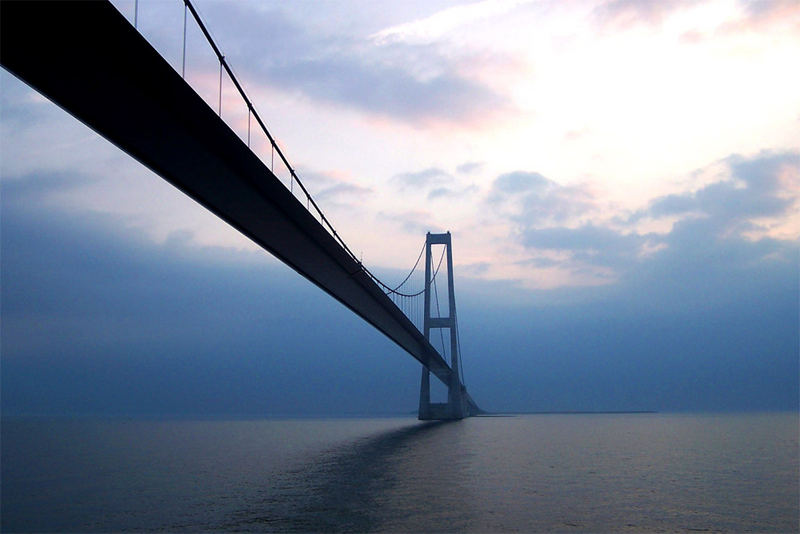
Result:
[[389, 290], [414, 268], [224, 64]]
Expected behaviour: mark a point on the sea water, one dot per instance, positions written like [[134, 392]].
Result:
[[590, 472]]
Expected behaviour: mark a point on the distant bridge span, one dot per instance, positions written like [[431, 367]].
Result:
[[86, 58]]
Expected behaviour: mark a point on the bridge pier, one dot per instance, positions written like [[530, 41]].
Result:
[[455, 407]]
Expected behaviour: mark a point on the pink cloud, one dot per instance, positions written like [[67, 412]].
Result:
[[774, 15]]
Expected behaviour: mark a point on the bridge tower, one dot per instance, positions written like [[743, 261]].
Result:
[[455, 407]]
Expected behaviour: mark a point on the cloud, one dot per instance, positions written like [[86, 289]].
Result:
[[725, 233], [41, 137], [470, 167], [451, 193], [532, 199], [765, 15], [720, 230], [516, 182], [575, 135], [414, 222], [142, 328], [623, 14], [412, 83], [327, 187], [421, 179], [44, 145], [343, 189], [438, 183], [743, 16], [474, 269], [388, 90], [588, 243], [719, 279], [764, 187], [36, 187], [435, 26], [440, 192]]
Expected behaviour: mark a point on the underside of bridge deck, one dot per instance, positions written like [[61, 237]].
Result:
[[89, 60]]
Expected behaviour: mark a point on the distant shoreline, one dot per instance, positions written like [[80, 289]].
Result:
[[568, 412]]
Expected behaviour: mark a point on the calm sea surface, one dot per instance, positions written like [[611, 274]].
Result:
[[598, 473]]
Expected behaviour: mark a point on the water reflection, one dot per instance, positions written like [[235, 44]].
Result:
[[350, 488], [541, 474], [588, 473]]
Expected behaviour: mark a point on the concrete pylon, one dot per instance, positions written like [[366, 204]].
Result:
[[455, 407]]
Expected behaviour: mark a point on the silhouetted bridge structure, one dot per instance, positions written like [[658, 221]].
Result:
[[88, 59]]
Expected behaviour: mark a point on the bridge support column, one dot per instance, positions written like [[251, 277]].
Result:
[[455, 407]]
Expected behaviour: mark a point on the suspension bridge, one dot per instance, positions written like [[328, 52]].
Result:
[[93, 62]]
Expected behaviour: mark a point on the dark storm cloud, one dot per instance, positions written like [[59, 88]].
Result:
[[409, 83]]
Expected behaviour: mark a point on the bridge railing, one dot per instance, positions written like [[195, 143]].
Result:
[[181, 37], [151, 19], [216, 82]]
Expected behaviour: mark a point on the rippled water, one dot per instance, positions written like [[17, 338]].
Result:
[[528, 473]]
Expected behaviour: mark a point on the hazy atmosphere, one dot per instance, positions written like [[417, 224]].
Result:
[[621, 180]]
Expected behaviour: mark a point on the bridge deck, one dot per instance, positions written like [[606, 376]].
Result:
[[88, 59]]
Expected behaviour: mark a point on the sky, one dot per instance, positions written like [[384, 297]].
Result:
[[621, 180]]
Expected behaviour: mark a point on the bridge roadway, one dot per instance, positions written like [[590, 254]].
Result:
[[86, 58]]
